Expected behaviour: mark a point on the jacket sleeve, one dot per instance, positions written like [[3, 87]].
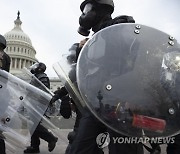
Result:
[[6, 62], [58, 94]]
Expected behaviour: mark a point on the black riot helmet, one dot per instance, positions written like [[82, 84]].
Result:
[[38, 67], [2, 42], [109, 3], [93, 12]]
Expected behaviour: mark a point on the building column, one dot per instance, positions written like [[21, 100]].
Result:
[[15, 63], [20, 63], [24, 63], [11, 64]]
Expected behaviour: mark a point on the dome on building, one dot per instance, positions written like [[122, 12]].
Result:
[[17, 34], [19, 47], [22, 53]]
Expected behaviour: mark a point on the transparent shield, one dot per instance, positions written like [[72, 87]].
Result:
[[52, 110], [22, 108], [67, 74], [128, 77]]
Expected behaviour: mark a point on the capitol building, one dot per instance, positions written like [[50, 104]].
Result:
[[21, 51]]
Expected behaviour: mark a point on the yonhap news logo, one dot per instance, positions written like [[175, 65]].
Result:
[[103, 140], [144, 140]]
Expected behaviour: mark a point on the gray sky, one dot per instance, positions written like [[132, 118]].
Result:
[[52, 24]]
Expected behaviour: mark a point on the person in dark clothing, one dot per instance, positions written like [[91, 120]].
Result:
[[72, 60], [4, 65], [72, 135], [38, 70], [96, 15], [67, 103], [66, 110]]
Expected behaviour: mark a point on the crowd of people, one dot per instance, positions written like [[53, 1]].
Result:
[[96, 15]]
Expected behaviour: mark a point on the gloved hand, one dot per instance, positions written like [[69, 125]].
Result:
[[65, 108], [52, 101]]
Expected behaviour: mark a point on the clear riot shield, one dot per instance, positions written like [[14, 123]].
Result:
[[22, 108], [52, 110], [67, 74], [128, 76]]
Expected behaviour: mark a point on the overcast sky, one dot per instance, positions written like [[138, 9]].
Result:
[[52, 24]]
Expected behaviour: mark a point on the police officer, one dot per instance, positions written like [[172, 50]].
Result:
[[67, 103], [4, 65], [96, 15], [86, 127], [65, 109], [38, 70]]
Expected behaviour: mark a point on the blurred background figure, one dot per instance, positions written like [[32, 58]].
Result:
[[38, 69]]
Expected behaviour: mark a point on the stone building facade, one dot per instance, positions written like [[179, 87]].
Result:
[[22, 53]]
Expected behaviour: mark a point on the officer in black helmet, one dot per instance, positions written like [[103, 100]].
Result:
[[4, 65], [96, 15], [38, 70], [62, 93], [67, 103]]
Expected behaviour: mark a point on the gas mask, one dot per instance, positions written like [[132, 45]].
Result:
[[87, 20]]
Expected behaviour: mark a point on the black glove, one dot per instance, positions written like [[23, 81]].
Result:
[[65, 108], [53, 99], [58, 94]]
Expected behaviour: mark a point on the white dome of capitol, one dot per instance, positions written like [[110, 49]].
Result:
[[17, 34]]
